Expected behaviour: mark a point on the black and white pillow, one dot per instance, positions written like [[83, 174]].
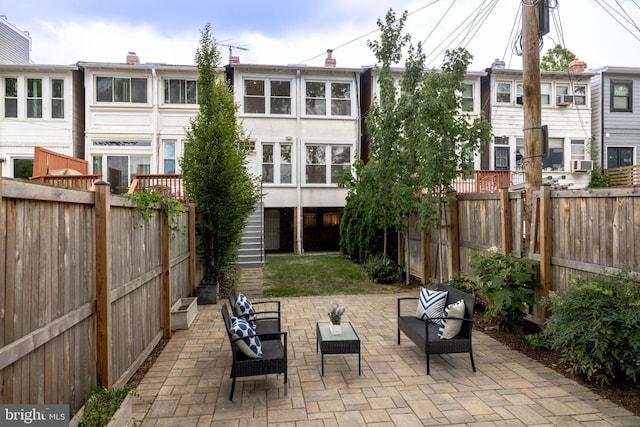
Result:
[[449, 328], [431, 304], [246, 310]]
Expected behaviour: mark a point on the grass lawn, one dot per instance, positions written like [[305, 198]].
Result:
[[309, 275]]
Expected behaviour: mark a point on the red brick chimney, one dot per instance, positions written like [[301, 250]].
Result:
[[330, 62], [132, 58], [234, 59], [576, 66]]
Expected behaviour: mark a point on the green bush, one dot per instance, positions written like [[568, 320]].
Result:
[[462, 283], [508, 284], [598, 180], [596, 325], [383, 270]]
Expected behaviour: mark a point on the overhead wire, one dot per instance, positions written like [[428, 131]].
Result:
[[598, 2]]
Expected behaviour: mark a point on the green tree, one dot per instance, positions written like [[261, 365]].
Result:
[[557, 58], [214, 166]]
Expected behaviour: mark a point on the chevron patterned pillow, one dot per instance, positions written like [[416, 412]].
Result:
[[431, 304]]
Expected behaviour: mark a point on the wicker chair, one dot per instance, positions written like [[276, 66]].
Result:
[[267, 313], [425, 334], [274, 360]]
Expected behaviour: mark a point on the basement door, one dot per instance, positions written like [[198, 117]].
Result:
[[272, 230]]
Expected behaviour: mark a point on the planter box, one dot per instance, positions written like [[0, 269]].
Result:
[[122, 417], [207, 293], [183, 312]]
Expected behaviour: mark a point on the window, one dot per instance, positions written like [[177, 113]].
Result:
[[340, 99], [555, 160], [323, 170], [114, 89], [519, 95], [519, 153], [577, 149], [503, 92], [180, 92], [122, 143], [467, 97], [501, 158], [545, 93], [316, 98], [169, 157], [120, 170], [309, 220], [562, 90], [255, 96], [34, 98], [579, 94], [621, 95], [276, 163], [501, 140], [331, 219], [10, 97], [619, 156], [57, 99], [22, 168]]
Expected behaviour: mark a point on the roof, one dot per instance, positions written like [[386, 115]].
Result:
[[141, 67]]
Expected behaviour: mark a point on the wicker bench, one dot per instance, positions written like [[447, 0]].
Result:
[[425, 334], [273, 361], [268, 315]]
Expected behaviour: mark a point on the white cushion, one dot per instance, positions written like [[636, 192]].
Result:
[[449, 328], [246, 310], [249, 344], [431, 304]]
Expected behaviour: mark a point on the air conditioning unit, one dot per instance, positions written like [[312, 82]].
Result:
[[564, 100], [581, 165], [519, 100]]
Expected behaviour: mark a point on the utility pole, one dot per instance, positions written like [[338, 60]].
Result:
[[532, 110]]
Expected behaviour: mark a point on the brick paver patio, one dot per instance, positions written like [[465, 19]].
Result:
[[189, 384]]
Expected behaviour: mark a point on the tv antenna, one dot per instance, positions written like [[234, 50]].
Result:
[[231, 47]]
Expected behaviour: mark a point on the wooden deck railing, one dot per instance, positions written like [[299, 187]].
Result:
[[625, 176], [169, 185], [81, 182], [482, 181]]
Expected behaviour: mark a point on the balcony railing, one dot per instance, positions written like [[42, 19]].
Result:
[[482, 181], [625, 176], [81, 182], [169, 185]]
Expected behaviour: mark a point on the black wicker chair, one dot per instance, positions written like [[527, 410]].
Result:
[[425, 334], [274, 360], [267, 315]]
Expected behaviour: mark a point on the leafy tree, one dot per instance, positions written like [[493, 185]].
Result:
[[557, 58], [214, 166]]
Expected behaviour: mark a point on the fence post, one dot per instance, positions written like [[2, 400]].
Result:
[[546, 241], [453, 238], [104, 343], [426, 256], [505, 213], [192, 249], [166, 272]]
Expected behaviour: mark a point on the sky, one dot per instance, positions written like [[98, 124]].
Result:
[[283, 32]]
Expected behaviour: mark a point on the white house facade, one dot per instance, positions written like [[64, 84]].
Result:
[[304, 124], [38, 108], [136, 116], [566, 112]]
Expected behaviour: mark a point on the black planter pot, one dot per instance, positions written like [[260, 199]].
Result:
[[207, 293]]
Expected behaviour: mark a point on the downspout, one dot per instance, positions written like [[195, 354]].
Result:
[[299, 166], [154, 119]]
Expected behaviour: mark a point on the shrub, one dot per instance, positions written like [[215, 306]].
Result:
[[598, 180], [595, 324], [462, 283], [383, 270], [508, 284]]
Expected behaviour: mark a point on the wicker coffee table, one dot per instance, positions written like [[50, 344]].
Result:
[[346, 343]]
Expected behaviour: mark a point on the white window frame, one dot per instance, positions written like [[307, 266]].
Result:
[[555, 144], [328, 146], [546, 93], [277, 161], [578, 149], [328, 99], [577, 96], [59, 100], [167, 89], [470, 101], [36, 99], [509, 92], [129, 100], [267, 95], [15, 98]]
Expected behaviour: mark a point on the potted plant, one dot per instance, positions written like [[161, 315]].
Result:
[[183, 312], [215, 174], [335, 317]]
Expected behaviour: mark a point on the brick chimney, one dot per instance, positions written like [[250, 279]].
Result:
[[329, 61], [498, 64], [132, 58], [234, 59], [576, 66]]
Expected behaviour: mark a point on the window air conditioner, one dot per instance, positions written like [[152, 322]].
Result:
[[519, 100], [581, 165], [565, 100]]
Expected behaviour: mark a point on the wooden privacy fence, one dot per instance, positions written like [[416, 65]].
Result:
[[85, 289], [573, 232]]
